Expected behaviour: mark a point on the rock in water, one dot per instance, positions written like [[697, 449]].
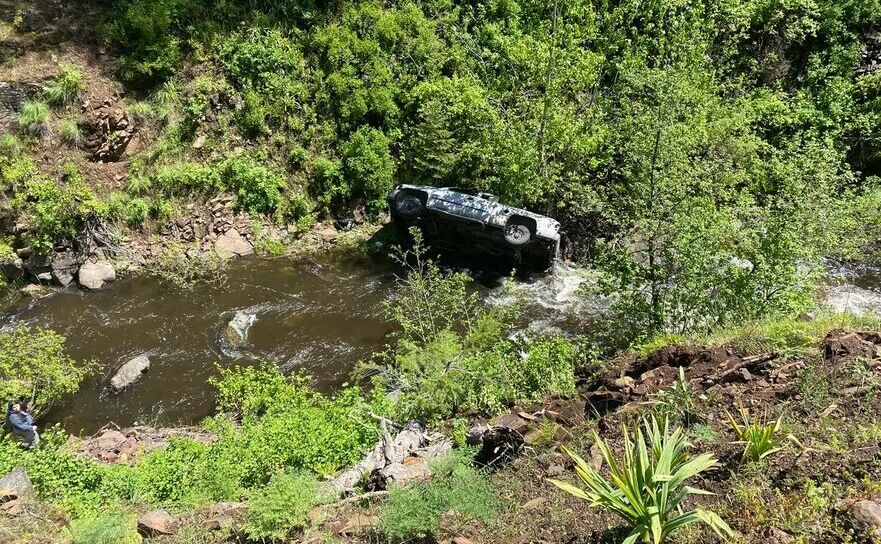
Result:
[[236, 332], [232, 244], [130, 372], [95, 275]]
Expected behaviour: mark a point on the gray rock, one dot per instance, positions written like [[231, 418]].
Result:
[[44, 276], [12, 267], [16, 485], [95, 275], [236, 332], [35, 290], [64, 268], [867, 518], [232, 244], [129, 372]]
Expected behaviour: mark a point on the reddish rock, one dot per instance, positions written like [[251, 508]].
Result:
[[359, 523]]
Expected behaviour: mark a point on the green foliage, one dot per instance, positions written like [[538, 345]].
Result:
[[258, 189], [675, 404], [368, 166], [65, 87], [452, 354], [56, 210], [34, 365], [281, 506], [70, 133], [34, 118], [105, 529], [756, 435], [185, 267], [132, 211], [182, 178], [456, 489], [647, 484]]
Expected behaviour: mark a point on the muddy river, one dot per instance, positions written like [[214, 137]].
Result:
[[317, 317]]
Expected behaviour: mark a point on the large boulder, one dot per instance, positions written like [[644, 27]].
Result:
[[157, 523], [16, 485], [129, 372], [64, 268], [232, 244], [93, 275], [236, 332]]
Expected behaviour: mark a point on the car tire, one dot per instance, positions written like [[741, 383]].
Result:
[[409, 205], [519, 231]]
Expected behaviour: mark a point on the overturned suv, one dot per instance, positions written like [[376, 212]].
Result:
[[468, 221]]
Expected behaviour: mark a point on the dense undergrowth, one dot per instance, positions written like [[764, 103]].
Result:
[[705, 158]]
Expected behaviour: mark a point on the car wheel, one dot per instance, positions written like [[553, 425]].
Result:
[[409, 205], [517, 233]]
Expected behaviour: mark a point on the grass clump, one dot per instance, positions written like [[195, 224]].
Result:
[[104, 529], [281, 506], [756, 435], [34, 118], [70, 132], [647, 485], [456, 487], [65, 87]]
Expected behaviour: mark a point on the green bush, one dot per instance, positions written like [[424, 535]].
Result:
[[34, 118], [34, 365], [456, 489], [453, 355], [55, 210], [182, 178], [368, 166], [65, 87], [281, 506], [144, 33], [257, 188], [185, 267]]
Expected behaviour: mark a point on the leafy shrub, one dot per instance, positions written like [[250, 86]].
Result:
[[65, 87], [456, 487], [287, 424], [368, 166], [452, 354], [144, 32], [756, 435], [329, 182], [258, 189], [181, 178], [645, 487], [55, 210], [34, 365], [105, 529], [281, 506], [34, 118]]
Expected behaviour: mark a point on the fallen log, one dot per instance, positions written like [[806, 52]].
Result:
[[386, 460]]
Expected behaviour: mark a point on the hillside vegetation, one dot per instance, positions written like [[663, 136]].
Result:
[[706, 159]]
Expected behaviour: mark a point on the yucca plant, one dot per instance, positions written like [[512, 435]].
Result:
[[647, 485], [756, 435]]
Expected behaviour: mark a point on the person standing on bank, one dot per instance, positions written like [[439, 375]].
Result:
[[22, 424]]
